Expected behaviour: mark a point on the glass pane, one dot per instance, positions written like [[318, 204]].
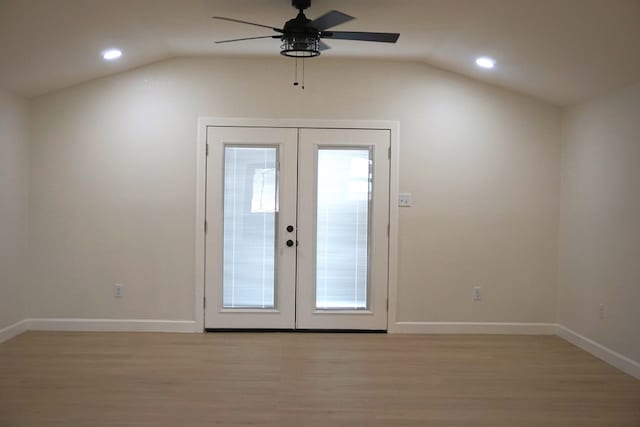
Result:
[[342, 234], [250, 200]]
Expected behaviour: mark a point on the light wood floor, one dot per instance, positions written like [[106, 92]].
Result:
[[122, 379]]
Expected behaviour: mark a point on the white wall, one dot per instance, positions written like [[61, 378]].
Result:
[[599, 251], [113, 184], [14, 176]]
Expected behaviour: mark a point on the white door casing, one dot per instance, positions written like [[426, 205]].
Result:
[[216, 316]]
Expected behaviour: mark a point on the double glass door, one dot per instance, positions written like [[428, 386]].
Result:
[[297, 228]]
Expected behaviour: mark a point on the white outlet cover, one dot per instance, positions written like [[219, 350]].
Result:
[[405, 200], [603, 311], [118, 290]]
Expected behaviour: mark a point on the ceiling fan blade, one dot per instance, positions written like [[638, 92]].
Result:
[[246, 22], [361, 36], [330, 19], [248, 38], [323, 46]]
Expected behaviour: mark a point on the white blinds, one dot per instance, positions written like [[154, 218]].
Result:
[[250, 189], [342, 234]]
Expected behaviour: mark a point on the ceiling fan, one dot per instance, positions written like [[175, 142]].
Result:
[[301, 36]]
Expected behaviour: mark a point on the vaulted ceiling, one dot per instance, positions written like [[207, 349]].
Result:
[[562, 51]]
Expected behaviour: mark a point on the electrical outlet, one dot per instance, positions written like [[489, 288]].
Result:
[[477, 293], [405, 200], [118, 290], [602, 311]]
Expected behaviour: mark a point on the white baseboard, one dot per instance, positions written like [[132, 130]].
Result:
[[613, 358], [473, 328], [98, 325], [13, 330], [113, 325]]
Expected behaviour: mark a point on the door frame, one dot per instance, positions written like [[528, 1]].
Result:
[[201, 180]]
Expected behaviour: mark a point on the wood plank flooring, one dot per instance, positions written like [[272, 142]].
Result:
[[293, 379]]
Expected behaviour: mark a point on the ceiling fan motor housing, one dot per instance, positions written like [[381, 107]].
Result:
[[299, 25]]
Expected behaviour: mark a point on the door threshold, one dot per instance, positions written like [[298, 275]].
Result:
[[309, 331]]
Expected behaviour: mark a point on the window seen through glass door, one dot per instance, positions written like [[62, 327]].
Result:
[[344, 188], [250, 205]]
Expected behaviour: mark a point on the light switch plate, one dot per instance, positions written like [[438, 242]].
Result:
[[405, 200]]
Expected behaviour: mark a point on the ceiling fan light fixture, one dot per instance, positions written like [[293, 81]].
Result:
[[300, 46]]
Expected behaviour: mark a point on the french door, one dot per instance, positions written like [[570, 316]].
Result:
[[297, 234]]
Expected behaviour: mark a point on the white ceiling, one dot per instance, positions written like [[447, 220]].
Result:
[[562, 51]]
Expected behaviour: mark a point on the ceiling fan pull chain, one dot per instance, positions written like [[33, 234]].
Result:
[[303, 73], [295, 79]]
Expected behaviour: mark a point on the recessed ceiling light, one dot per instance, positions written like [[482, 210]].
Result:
[[485, 62], [111, 54]]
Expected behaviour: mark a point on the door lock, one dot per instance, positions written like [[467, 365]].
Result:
[[290, 243], [290, 228]]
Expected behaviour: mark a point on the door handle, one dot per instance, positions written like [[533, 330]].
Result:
[[290, 243], [290, 228]]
